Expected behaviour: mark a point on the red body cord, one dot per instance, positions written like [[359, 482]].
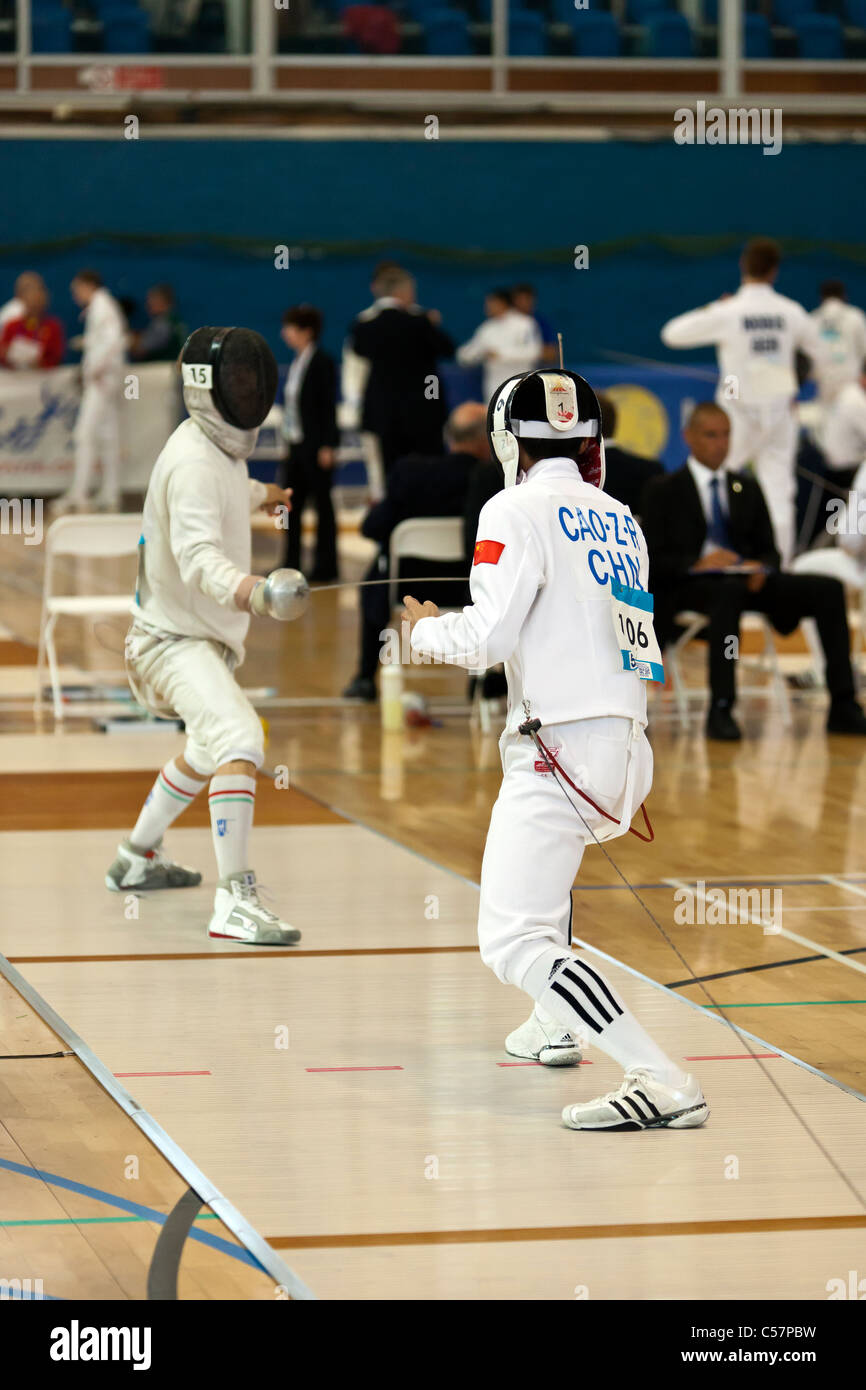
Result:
[[648, 839]]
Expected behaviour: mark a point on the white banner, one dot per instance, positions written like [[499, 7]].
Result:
[[37, 416]]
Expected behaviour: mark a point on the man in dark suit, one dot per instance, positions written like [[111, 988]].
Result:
[[310, 430], [626, 474], [403, 403], [712, 549], [418, 486]]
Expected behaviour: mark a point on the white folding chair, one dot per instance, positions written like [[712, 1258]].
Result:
[[693, 623], [424, 538], [81, 536]]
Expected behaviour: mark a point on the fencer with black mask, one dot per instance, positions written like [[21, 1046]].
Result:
[[191, 613], [559, 592]]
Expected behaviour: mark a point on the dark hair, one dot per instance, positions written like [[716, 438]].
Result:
[[499, 293], [761, 256], [832, 289], [89, 277], [524, 289], [608, 416], [538, 449], [704, 408], [166, 291], [304, 316]]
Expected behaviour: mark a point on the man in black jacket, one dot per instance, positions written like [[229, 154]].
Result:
[[310, 431], [404, 405], [712, 549], [418, 486], [626, 475]]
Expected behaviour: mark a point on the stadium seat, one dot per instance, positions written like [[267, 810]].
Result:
[[757, 37], [596, 34], [641, 11], [855, 13], [819, 37], [127, 32], [669, 36], [789, 11], [527, 34], [446, 33], [51, 30]]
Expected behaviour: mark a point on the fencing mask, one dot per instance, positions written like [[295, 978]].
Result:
[[232, 368], [546, 406]]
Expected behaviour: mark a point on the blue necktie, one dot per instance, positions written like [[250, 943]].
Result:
[[717, 530]]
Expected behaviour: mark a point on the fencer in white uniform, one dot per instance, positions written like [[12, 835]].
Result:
[[842, 328], [757, 334], [97, 428], [190, 618], [557, 564], [506, 343]]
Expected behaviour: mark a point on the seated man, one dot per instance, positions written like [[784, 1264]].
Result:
[[626, 475], [712, 549], [418, 485]]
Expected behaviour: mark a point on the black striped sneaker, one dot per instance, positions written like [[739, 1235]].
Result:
[[642, 1102]]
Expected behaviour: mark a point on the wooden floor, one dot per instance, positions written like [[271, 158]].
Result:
[[351, 1096]]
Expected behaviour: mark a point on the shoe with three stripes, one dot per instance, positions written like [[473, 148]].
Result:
[[146, 871], [542, 1039], [642, 1102], [239, 915]]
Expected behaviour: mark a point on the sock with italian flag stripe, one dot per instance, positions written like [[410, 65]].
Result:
[[170, 794], [232, 802]]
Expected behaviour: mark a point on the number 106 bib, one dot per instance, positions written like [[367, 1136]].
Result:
[[632, 614]]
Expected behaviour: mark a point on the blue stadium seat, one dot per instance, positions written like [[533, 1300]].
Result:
[[126, 31], [757, 37], [855, 13], [641, 11], [51, 30], [789, 11], [596, 34], [669, 36], [446, 33], [711, 11], [819, 37], [527, 34]]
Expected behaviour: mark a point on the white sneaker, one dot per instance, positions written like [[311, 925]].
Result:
[[642, 1103], [239, 916], [543, 1039], [146, 872]]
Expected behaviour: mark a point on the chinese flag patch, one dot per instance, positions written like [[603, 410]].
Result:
[[487, 552]]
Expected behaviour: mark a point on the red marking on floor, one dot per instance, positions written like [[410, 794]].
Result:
[[163, 1073], [353, 1069], [734, 1057]]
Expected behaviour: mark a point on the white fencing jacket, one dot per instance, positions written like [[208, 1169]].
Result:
[[104, 338], [756, 333], [540, 588], [843, 333], [507, 346], [845, 427], [196, 543]]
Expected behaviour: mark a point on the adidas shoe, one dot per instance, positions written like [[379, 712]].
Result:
[[146, 872], [542, 1039], [238, 915], [642, 1103]]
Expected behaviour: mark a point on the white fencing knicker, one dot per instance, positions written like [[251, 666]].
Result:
[[536, 838], [766, 436], [191, 677]]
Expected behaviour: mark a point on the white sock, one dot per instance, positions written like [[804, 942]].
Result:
[[232, 803], [576, 993], [170, 794]]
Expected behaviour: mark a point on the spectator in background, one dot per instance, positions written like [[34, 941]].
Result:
[[418, 486], [843, 333], [34, 339], [354, 372], [311, 434], [525, 298], [404, 404], [97, 429], [165, 334], [506, 343], [712, 549], [14, 307], [626, 474]]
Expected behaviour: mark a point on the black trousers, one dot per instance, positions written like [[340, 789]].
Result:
[[785, 599], [302, 473]]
